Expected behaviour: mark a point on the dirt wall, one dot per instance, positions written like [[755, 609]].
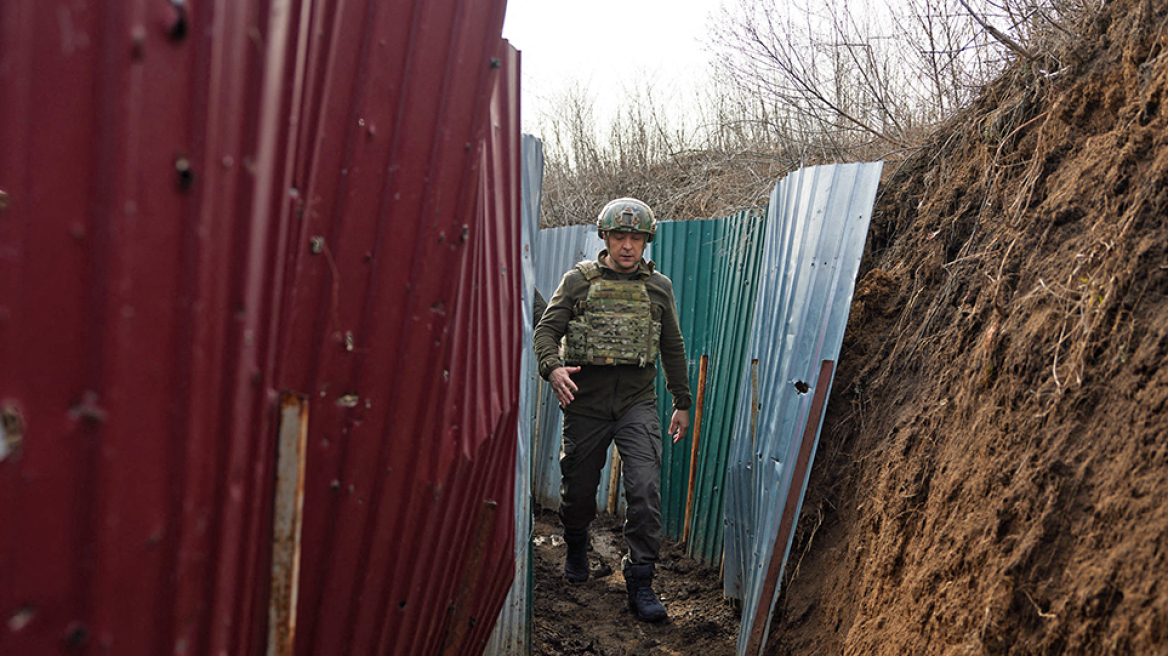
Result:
[[993, 470]]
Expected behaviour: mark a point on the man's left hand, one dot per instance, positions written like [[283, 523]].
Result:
[[679, 425]]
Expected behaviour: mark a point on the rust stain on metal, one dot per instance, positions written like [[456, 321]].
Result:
[[460, 622], [802, 462], [289, 514]]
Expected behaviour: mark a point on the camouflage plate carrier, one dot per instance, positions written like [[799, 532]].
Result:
[[616, 324]]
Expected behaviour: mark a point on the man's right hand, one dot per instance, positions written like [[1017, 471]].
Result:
[[562, 385]]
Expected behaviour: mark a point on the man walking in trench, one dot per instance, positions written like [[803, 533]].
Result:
[[597, 345]]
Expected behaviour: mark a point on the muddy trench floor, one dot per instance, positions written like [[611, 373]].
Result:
[[593, 617]]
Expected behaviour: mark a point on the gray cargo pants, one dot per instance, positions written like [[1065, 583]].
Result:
[[637, 435]]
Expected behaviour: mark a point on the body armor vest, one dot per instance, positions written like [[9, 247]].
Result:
[[615, 324]]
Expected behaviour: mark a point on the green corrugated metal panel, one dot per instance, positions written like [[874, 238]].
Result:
[[714, 266]]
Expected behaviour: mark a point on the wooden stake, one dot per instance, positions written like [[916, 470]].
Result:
[[693, 451], [770, 584]]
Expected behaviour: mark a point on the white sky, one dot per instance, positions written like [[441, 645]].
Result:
[[606, 46]]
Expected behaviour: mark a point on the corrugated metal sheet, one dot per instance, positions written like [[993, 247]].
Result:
[[138, 265], [714, 268], [403, 326], [211, 202], [816, 229], [512, 634]]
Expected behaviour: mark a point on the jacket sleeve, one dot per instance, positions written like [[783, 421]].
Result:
[[673, 353], [538, 305], [554, 323]]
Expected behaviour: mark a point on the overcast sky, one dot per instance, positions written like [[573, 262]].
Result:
[[606, 45]]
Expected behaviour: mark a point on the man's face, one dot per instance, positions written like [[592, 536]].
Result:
[[624, 249]]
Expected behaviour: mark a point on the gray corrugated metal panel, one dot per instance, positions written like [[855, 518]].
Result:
[[512, 633], [815, 236]]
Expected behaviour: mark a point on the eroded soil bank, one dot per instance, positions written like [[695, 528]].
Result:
[[993, 473]]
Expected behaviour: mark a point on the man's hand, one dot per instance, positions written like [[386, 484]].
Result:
[[562, 385], [679, 425]]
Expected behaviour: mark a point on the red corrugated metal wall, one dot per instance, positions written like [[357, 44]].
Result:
[[204, 204]]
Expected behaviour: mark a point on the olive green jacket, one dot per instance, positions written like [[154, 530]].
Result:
[[607, 391]]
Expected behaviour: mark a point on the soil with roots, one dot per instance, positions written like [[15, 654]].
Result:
[[992, 475]]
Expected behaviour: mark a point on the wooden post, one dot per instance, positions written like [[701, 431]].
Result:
[[790, 507], [693, 451], [614, 482]]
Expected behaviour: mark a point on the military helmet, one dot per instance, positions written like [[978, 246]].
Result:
[[627, 215]]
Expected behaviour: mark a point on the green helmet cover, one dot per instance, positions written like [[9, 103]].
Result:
[[627, 215]]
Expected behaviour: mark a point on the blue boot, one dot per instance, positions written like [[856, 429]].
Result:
[[642, 600]]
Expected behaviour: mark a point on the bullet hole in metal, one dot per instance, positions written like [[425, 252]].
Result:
[[496, 62], [350, 341], [348, 401], [76, 635], [465, 234], [3, 200], [11, 432], [186, 177], [138, 43], [87, 408], [802, 387], [402, 605], [178, 26], [316, 245], [336, 485]]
